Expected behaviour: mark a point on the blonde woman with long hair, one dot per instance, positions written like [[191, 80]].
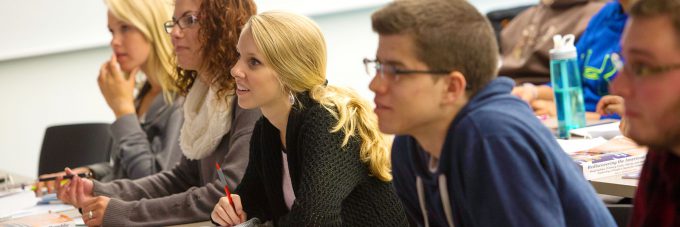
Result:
[[146, 129], [317, 157]]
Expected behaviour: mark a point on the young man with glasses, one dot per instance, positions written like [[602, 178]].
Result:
[[649, 84], [469, 153]]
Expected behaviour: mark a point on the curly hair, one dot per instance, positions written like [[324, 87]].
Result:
[[221, 22]]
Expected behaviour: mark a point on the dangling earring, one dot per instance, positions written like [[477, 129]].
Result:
[[291, 98]]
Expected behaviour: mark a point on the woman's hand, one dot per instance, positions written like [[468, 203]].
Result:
[[94, 209], [68, 193], [226, 215], [51, 185], [116, 89]]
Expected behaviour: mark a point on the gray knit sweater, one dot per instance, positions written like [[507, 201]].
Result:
[[146, 148], [188, 192]]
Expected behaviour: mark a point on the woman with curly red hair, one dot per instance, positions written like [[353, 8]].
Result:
[[215, 130]]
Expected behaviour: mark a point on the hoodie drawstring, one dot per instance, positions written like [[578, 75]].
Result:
[[443, 192], [421, 200]]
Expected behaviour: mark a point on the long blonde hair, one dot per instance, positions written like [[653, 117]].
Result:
[[296, 49], [148, 17]]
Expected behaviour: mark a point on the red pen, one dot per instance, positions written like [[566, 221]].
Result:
[[223, 179]]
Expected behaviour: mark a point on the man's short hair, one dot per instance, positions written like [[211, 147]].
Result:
[[651, 8], [448, 35]]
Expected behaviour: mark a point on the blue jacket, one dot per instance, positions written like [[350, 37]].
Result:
[[601, 38], [499, 166]]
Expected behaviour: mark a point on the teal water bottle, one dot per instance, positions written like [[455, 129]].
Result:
[[566, 82]]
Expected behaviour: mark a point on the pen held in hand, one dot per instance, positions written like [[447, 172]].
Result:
[[86, 175], [223, 179]]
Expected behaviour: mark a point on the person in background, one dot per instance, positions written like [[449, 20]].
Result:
[[317, 156], [468, 153], [526, 40], [146, 131], [215, 129], [649, 83], [614, 105], [595, 49]]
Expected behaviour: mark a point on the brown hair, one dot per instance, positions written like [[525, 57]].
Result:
[[651, 8], [448, 34], [221, 22]]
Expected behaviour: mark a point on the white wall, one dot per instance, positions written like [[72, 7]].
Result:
[[47, 78], [350, 38], [38, 27], [42, 91]]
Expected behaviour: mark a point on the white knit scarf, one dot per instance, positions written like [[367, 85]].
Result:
[[206, 120]]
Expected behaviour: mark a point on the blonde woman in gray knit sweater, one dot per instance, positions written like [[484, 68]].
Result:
[[215, 129], [317, 157]]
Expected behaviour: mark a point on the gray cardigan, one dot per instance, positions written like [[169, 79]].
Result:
[[146, 148], [188, 192]]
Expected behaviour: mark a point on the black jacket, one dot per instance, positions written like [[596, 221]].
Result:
[[332, 186]]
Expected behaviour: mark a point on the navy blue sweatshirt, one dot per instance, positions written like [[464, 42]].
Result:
[[499, 166]]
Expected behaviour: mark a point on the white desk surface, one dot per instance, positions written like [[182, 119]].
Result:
[[74, 214]]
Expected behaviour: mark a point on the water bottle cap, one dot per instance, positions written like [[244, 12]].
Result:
[[564, 47]]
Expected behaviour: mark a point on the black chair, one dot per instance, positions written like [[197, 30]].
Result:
[[74, 146], [500, 18]]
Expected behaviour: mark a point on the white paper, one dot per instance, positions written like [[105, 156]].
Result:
[[574, 145], [607, 131], [42, 209], [10, 204]]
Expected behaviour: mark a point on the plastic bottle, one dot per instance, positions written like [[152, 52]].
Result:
[[566, 82]]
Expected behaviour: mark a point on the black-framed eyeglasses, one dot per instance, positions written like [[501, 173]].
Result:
[[391, 73], [641, 70], [183, 22]]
